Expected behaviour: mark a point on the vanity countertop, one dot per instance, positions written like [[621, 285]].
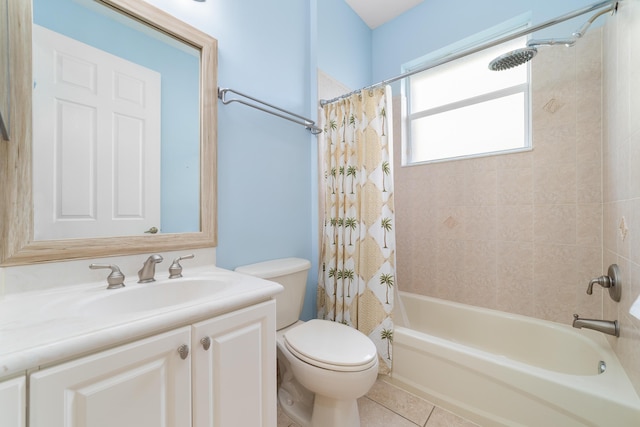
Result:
[[42, 327]]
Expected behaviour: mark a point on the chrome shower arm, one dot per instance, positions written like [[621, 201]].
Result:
[[576, 34], [582, 30], [520, 56], [550, 42]]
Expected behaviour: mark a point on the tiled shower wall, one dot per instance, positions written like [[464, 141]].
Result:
[[519, 232], [525, 233], [621, 177]]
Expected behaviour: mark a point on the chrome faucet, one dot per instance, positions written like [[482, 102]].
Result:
[[610, 327], [148, 270]]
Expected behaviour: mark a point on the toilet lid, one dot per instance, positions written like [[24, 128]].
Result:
[[331, 345]]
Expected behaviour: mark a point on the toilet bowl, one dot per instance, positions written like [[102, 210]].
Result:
[[336, 363], [323, 366]]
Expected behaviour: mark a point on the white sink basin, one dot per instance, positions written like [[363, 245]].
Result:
[[137, 297]]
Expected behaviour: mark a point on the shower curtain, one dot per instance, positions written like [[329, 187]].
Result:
[[357, 265]]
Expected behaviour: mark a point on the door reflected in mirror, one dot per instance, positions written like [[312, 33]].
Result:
[[116, 125]]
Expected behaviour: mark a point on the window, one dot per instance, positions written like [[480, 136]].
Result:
[[461, 108]]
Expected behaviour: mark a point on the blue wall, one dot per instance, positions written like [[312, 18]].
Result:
[[344, 44], [266, 185]]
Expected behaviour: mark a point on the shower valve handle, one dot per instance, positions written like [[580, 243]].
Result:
[[611, 281], [603, 281]]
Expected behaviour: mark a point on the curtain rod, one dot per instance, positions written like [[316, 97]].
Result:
[[288, 115], [472, 50]]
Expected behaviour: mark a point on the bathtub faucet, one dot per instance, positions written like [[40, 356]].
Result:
[[610, 327]]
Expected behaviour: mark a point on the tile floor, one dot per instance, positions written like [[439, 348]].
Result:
[[389, 406]]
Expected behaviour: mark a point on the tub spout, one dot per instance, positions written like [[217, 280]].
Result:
[[610, 327]]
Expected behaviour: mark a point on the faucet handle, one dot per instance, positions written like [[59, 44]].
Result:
[[175, 270], [115, 279], [611, 281], [603, 281]]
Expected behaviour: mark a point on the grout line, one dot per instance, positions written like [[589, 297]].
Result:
[[429, 416]]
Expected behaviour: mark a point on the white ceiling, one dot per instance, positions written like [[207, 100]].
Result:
[[376, 12]]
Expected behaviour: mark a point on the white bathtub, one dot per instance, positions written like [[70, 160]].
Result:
[[501, 369]]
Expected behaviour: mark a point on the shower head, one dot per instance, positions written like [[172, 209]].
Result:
[[521, 56], [513, 58], [525, 54]]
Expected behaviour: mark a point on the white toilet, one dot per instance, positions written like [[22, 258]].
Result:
[[323, 366]]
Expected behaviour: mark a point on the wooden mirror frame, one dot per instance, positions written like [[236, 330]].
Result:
[[17, 246]]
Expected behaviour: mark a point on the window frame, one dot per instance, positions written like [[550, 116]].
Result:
[[509, 27]]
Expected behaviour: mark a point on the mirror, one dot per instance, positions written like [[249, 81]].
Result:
[[4, 71], [196, 229]]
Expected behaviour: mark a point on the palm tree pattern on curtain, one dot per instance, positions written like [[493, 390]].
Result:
[[357, 268]]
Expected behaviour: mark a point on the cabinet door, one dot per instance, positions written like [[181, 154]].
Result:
[[235, 379], [143, 384], [13, 404]]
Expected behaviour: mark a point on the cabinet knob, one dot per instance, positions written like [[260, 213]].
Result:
[[206, 343], [183, 351]]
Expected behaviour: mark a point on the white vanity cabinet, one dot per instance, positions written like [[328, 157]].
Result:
[[13, 402], [145, 384], [234, 365], [227, 379]]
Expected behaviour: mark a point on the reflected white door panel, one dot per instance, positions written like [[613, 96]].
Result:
[[96, 141]]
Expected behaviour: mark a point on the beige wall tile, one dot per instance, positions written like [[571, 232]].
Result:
[[553, 144], [634, 162], [589, 182], [554, 224], [450, 273], [555, 184], [555, 277], [480, 187], [515, 186], [480, 223], [480, 274], [514, 282], [514, 223], [633, 221], [589, 225]]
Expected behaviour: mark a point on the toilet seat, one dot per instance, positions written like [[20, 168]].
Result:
[[331, 345]]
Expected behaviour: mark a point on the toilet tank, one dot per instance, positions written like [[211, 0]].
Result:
[[291, 273]]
